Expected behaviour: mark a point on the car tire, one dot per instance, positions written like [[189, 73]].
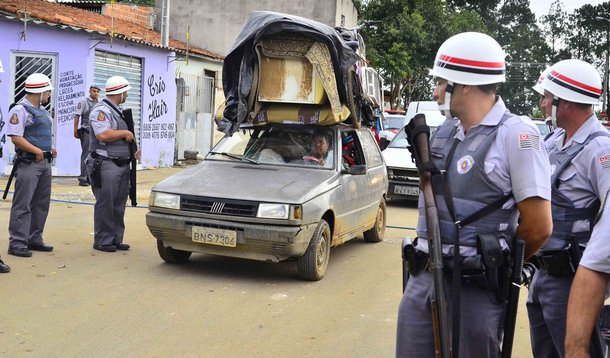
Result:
[[375, 234], [312, 265], [171, 255]]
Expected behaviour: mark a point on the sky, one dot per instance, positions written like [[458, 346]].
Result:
[[541, 7]]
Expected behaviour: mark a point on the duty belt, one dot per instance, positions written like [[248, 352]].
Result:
[[118, 161], [556, 262], [29, 157]]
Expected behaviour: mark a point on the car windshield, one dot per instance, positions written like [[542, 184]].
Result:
[[283, 145], [400, 140], [395, 121], [543, 128]]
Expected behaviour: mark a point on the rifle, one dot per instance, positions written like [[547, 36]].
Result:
[[133, 148], [418, 135], [516, 281]]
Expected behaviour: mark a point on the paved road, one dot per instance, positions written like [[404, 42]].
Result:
[[77, 302]]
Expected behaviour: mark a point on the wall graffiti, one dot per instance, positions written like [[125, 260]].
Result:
[[69, 91]]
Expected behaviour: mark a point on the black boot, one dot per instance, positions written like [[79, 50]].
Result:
[[4, 268]]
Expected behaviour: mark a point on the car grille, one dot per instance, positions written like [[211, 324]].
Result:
[[404, 174], [218, 206]]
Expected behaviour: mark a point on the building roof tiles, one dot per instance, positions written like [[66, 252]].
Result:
[[78, 19]]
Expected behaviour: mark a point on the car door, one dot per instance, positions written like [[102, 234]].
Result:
[[375, 183], [350, 199]]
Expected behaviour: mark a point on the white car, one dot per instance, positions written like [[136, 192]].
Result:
[[392, 123], [402, 172]]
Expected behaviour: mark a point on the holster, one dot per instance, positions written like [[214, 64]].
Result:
[[556, 262], [96, 173]]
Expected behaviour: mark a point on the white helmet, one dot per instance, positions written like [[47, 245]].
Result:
[[117, 85], [537, 87], [470, 58], [37, 83], [575, 81]]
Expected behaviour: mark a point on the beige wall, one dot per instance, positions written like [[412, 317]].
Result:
[[214, 24], [348, 10]]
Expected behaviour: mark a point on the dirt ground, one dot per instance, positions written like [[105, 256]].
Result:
[[77, 302]]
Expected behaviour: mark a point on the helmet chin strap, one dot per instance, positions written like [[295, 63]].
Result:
[[446, 107], [554, 112]]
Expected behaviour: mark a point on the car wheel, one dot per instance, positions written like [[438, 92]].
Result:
[[312, 265], [375, 234], [171, 255]]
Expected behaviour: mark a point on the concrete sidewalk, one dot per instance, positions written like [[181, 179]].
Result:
[[67, 188]]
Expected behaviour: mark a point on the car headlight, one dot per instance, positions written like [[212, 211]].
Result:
[[164, 200], [279, 211], [390, 173]]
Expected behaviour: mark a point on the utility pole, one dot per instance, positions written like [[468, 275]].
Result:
[[606, 95], [165, 23]]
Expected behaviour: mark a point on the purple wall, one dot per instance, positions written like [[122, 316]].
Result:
[[74, 69]]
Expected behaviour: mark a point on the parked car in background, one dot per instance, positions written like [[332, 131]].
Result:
[[420, 107], [264, 194], [543, 127], [393, 121], [402, 172]]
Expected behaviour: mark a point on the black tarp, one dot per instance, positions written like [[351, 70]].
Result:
[[238, 67]]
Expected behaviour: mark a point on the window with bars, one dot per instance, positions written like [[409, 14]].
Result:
[[25, 64]]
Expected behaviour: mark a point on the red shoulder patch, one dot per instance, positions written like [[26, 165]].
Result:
[[101, 117]]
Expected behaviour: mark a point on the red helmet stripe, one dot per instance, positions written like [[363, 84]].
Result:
[[581, 85], [37, 84], [463, 61], [116, 87]]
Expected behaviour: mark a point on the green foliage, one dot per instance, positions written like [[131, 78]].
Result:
[[555, 29], [526, 52], [404, 45]]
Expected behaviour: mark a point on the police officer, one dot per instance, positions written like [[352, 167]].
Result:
[[579, 152], [589, 288], [108, 166], [489, 156], [29, 127], [81, 129], [4, 268]]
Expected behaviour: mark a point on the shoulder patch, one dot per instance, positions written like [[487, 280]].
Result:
[[80, 104], [604, 161], [14, 119], [101, 117], [529, 141]]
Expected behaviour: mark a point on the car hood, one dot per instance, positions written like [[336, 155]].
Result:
[[246, 181], [398, 158]]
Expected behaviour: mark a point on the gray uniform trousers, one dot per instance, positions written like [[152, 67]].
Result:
[[110, 201], [84, 138], [30, 204], [547, 305], [482, 320]]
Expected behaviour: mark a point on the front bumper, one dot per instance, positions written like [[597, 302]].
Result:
[[260, 242]]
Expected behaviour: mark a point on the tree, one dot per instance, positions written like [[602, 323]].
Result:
[[404, 45], [554, 28], [526, 52]]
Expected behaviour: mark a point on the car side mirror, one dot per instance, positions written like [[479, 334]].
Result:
[[355, 170]]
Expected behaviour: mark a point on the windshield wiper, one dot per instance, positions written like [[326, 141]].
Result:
[[235, 156]]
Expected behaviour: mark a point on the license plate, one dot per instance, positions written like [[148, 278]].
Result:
[[206, 235], [406, 190]]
